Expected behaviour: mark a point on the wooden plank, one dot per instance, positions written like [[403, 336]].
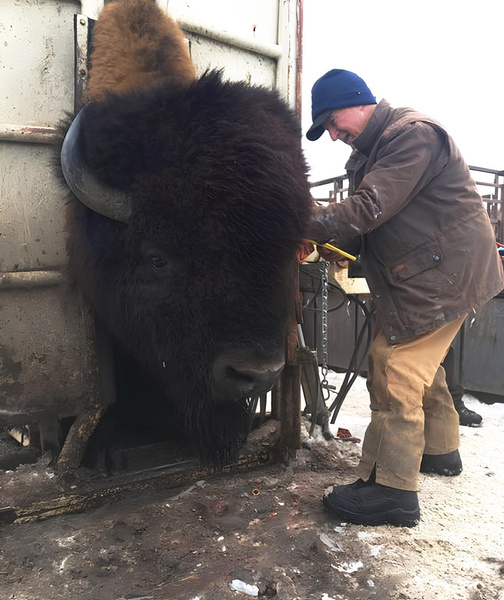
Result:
[[77, 491]]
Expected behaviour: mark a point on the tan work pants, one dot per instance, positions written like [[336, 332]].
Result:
[[412, 411]]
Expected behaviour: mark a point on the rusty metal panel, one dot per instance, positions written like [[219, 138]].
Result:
[[46, 361], [32, 209], [47, 352]]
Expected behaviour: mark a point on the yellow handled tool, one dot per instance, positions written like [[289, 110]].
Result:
[[334, 249]]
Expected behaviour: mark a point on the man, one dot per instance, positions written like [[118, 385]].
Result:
[[429, 256]]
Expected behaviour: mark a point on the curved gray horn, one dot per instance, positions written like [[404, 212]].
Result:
[[97, 196]]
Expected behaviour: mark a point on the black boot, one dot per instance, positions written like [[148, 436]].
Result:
[[373, 504], [443, 464], [466, 416]]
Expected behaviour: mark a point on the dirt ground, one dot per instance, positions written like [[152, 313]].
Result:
[[266, 534]]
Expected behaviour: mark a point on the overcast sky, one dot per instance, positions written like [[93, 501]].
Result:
[[441, 57]]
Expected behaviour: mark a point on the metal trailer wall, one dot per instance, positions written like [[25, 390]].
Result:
[[481, 347], [49, 366]]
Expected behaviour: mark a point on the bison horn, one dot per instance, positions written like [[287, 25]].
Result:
[[97, 196]]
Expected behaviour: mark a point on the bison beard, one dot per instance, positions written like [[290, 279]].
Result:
[[191, 199]]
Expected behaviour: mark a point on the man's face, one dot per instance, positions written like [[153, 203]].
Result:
[[346, 124]]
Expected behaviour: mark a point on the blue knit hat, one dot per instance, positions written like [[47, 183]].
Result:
[[336, 89]]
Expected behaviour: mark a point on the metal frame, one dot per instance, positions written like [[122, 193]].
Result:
[[494, 199]]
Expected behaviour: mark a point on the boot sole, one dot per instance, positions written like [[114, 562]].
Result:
[[396, 516]]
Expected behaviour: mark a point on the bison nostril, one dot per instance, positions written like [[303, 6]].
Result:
[[235, 380]]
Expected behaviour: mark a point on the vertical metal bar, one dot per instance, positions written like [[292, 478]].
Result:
[[286, 38], [85, 423], [82, 30], [337, 190], [299, 58]]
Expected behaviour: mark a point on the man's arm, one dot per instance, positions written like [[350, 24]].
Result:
[[405, 164]]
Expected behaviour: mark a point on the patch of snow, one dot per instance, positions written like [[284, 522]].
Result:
[[348, 567], [61, 567], [240, 586], [366, 535], [375, 550], [325, 539], [66, 542]]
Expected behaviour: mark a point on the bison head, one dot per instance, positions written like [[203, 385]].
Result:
[[190, 204]]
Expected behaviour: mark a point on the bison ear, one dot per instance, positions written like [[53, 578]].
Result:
[[97, 196]]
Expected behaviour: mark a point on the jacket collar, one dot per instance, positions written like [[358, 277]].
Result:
[[381, 118]]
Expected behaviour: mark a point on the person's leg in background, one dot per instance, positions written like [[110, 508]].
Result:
[[441, 429], [466, 416]]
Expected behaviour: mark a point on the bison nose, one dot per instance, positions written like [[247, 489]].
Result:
[[235, 378]]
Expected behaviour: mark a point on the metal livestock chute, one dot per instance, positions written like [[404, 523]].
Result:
[[55, 365]]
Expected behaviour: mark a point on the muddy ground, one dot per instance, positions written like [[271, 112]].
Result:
[[265, 534]]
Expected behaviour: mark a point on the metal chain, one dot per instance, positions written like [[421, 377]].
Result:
[[325, 354]]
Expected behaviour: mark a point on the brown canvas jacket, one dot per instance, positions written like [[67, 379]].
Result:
[[428, 247]]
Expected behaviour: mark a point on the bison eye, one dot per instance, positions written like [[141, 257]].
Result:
[[158, 263], [155, 260]]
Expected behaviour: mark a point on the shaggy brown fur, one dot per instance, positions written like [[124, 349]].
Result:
[[136, 46]]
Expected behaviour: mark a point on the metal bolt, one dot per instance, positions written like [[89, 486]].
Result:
[[82, 21]]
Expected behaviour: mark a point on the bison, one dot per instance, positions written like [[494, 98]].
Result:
[[189, 198]]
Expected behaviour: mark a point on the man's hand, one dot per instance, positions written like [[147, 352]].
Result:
[[317, 227]]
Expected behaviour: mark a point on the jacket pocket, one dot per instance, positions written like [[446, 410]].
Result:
[[416, 261]]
